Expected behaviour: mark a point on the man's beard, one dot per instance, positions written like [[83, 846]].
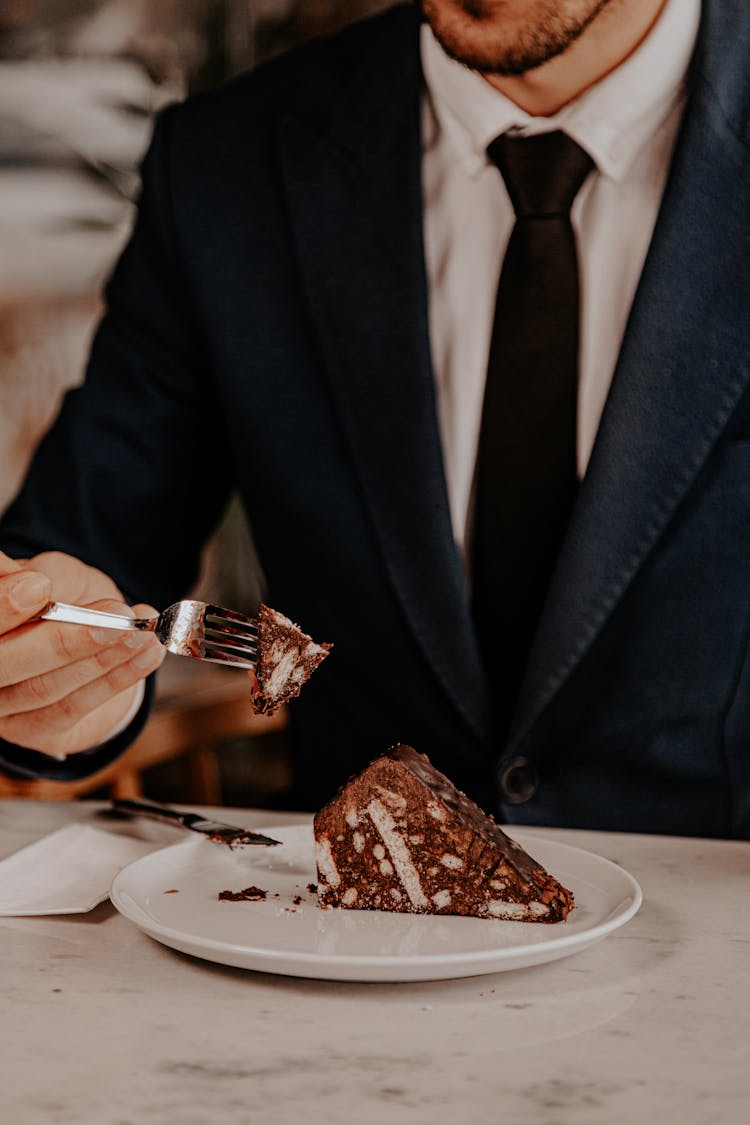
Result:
[[478, 34]]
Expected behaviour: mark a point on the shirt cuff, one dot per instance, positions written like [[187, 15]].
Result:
[[125, 722]]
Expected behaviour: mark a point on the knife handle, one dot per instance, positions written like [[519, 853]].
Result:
[[146, 808]]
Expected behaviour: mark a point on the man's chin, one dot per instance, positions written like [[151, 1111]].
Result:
[[488, 36]]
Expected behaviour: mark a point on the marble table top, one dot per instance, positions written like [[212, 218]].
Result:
[[103, 1026]]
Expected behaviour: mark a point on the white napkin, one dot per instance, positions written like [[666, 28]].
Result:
[[68, 872]]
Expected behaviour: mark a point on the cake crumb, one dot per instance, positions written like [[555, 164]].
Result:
[[235, 838], [249, 894]]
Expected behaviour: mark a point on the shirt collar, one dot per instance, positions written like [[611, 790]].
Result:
[[612, 120]]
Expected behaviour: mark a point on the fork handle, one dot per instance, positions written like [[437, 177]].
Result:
[[77, 615]]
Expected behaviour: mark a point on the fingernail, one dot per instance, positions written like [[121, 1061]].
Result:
[[149, 658], [30, 592], [138, 640], [106, 636]]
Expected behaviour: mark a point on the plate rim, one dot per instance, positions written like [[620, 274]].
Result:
[[622, 913]]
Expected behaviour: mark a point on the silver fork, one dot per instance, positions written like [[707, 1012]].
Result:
[[187, 628]]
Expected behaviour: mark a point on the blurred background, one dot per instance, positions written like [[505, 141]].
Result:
[[80, 82]]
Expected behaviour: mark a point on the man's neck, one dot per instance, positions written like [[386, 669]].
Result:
[[607, 42]]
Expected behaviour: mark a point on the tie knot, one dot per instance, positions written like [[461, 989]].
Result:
[[543, 173]]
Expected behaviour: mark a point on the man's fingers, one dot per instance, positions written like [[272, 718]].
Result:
[[64, 687], [9, 565], [43, 691], [40, 647], [23, 595], [32, 727], [73, 580]]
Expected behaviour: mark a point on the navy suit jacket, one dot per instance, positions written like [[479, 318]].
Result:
[[267, 330]]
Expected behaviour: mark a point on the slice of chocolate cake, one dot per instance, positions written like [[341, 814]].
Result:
[[286, 658], [400, 837]]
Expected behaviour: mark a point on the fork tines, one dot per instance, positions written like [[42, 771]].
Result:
[[230, 637]]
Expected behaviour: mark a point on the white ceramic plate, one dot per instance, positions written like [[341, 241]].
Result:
[[297, 938]]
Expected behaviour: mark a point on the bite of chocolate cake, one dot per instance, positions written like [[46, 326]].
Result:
[[286, 658], [401, 837]]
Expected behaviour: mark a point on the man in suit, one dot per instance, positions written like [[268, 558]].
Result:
[[305, 312]]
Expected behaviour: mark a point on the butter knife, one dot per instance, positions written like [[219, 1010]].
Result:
[[219, 833]]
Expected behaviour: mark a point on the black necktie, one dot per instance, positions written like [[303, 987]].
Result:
[[526, 468]]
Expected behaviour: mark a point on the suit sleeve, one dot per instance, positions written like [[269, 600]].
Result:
[[134, 474]]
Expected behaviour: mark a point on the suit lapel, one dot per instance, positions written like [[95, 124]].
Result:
[[353, 187], [683, 367]]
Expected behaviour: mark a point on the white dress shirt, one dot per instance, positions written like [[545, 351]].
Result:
[[628, 123]]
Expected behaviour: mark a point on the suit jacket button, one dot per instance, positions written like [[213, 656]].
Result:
[[519, 780]]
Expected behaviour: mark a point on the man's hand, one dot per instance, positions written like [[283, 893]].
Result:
[[65, 688]]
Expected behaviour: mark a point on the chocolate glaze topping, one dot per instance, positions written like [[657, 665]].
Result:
[[464, 808]]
